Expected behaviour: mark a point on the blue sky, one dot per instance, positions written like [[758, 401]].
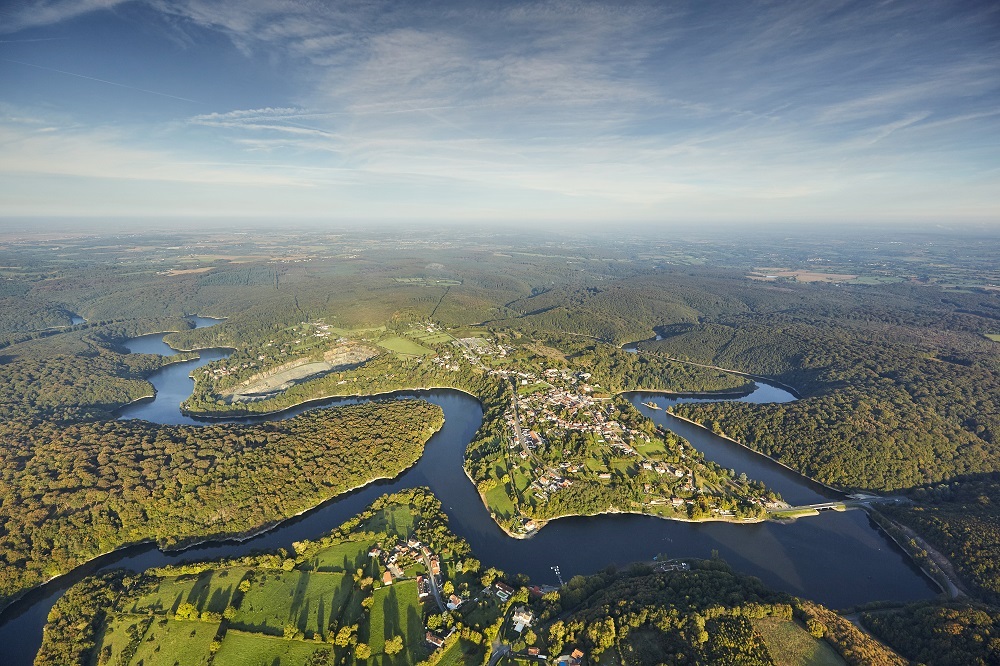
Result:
[[550, 111]]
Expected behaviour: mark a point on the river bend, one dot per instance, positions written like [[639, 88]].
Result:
[[838, 559]]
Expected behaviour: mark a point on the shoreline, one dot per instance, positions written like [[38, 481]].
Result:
[[759, 453]]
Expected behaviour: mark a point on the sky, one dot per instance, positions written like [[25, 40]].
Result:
[[560, 112]]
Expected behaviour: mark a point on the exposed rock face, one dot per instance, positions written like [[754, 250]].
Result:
[[270, 382]]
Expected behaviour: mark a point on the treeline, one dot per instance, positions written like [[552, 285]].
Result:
[[70, 492], [951, 634]]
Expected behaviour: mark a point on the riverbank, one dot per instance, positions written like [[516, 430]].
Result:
[[839, 491]]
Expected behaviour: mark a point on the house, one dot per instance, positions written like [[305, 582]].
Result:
[[533, 652], [454, 601], [434, 639], [503, 590], [522, 618], [573, 659], [435, 566], [387, 578], [423, 587]]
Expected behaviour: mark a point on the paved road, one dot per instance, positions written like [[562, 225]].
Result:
[[434, 585]]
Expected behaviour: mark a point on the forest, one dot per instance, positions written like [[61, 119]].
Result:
[[70, 492], [898, 377]]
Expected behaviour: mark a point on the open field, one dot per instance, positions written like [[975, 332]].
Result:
[[995, 337], [209, 591], [114, 638], [455, 655], [790, 644], [306, 600], [242, 649], [404, 346], [345, 556], [397, 520], [396, 611], [169, 642]]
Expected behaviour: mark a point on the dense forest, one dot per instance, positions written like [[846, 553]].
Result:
[[960, 519], [951, 634], [70, 492]]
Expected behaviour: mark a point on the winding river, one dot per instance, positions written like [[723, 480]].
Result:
[[838, 559]]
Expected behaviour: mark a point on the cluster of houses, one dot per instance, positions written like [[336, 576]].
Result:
[[444, 361], [396, 558]]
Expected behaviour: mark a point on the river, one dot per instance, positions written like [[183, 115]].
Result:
[[837, 558]]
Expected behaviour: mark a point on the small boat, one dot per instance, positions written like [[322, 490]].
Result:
[[651, 405]]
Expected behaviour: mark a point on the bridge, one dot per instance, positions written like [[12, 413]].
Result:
[[859, 501]]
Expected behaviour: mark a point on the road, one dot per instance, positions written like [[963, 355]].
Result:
[[434, 584]]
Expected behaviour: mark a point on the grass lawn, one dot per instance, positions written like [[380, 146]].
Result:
[[209, 591], [995, 337], [396, 520], [404, 346], [176, 642], [396, 611], [456, 655], [345, 556], [304, 599], [790, 644], [499, 502], [242, 649], [114, 636], [795, 513], [521, 478], [653, 449]]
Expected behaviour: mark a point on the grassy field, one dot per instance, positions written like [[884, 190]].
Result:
[[456, 655], [995, 337], [346, 556], [404, 346], [499, 501], [396, 611], [241, 649], [790, 644], [303, 599], [209, 591], [169, 642], [397, 520], [113, 638]]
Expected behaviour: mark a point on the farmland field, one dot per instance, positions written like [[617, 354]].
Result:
[[241, 649], [168, 642], [396, 611], [345, 556], [114, 638], [396, 520], [404, 346], [306, 600], [209, 591]]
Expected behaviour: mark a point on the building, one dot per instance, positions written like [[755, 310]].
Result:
[[454, 601], [434, 639], [503, 590], [423, 587], [522, 618], [387, 577]]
